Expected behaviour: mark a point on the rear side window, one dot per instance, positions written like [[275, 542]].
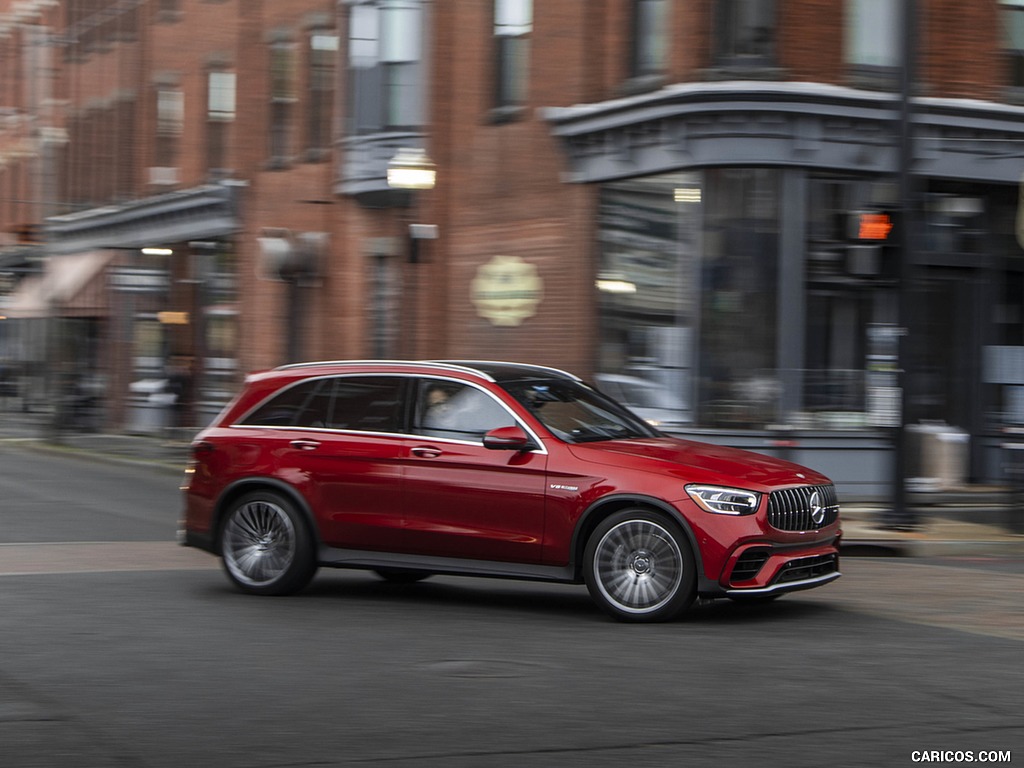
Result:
[[358, 403]]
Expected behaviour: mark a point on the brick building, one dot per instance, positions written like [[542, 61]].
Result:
[[700, 200]]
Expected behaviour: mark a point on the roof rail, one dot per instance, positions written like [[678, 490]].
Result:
[[451, 366], [473, 364]]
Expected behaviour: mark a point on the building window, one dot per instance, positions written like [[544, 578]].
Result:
[[1013, 24], [323, 48], [745, 32], [282, 100], [170, 117], [873, 41], [513, 22], [385, 66], [649, 53], [220, 114]]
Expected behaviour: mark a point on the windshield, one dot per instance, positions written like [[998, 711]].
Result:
[[576, 413]]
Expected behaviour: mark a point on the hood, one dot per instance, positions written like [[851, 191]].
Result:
[[700, 462]]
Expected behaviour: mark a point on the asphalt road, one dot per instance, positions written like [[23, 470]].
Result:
[[119, 648]]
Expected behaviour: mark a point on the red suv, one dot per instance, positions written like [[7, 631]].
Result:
[[495, 469]]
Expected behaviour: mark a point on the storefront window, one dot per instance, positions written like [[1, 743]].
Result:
[[738, 381], [650, 232], [687, 289]]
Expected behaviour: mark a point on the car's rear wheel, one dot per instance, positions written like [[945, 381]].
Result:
[[266, 545], [638, 566]]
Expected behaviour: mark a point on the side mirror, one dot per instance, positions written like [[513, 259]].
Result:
[[508, 439]]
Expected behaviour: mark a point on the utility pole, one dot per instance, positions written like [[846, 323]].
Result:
[[902, 515]]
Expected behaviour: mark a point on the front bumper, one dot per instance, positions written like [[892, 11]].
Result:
[[795, 574]]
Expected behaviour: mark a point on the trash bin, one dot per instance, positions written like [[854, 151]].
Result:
[[150, 411], [940, 455]]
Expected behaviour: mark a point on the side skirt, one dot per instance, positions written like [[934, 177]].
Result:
[[361, 559]]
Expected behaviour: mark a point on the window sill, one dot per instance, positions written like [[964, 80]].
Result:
[[502, 115], [642, 84], [745, 71], [871, 78]]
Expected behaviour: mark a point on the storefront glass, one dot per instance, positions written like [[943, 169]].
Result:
[[687, 288]]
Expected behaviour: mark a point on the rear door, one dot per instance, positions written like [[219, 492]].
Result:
[[337, 440]]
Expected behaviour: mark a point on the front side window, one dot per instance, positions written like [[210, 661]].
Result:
[[650, 36], [746, 32], [385, 50], [456, 411], [1013, 24], [513, 23], [873, 33]]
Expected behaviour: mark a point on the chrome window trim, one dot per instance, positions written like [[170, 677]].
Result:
[[540, 448]]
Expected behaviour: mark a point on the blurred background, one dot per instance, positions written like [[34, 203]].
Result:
[[784, 225]]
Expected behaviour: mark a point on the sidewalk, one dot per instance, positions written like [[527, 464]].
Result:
[[974, 522]]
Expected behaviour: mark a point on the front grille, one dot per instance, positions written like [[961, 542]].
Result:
[[807, 568], [749, 564], [803, 509]]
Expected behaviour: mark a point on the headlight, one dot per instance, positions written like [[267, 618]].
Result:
[[724, 501]]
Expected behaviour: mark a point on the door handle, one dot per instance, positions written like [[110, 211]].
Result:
[[426, 453], [305, 445]]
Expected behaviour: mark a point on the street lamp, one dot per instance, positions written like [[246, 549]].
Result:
[[412, 170]]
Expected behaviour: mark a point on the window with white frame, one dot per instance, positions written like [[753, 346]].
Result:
[[1013, 26], [385, 51], [873, 33], [170, 117], [513, 23], [323, 48], [649, 54], [220, 114], [282, 98]]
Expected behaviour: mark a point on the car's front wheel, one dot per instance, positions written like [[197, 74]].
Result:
[[266, 545], [638, 566]]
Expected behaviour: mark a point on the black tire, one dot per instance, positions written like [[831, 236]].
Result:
[[397, 576], [638, 566], [266, 545]]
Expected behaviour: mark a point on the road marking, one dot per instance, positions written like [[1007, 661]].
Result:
[[100, 557]]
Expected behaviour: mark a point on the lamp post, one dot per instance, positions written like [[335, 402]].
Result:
[[411, 170]]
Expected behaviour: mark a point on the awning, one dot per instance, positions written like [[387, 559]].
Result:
[[69, 285]]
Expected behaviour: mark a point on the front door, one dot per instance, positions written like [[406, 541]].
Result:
[[461, 499]]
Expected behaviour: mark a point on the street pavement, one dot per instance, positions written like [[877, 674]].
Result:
[[975, 521]]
